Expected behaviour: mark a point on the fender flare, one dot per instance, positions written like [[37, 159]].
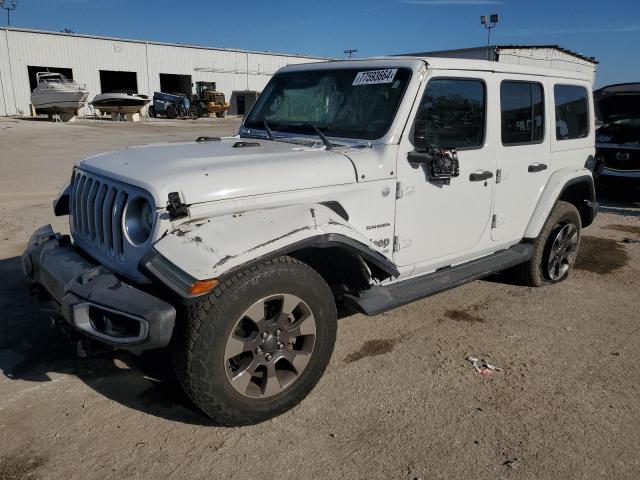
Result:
[[215, 247], [61, 202], [557, 184]]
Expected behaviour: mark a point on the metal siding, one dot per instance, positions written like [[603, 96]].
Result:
[[4, 74], [86, 56], [548, 58]]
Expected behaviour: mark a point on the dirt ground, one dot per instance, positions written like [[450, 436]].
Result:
[[398, 399]]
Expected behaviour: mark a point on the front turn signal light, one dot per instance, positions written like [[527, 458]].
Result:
[[203, 286]]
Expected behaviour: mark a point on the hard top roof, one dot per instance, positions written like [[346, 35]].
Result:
[[440, 63]]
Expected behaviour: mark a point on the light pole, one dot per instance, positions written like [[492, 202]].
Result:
[[350, 52], [5, 5], [489, 22]]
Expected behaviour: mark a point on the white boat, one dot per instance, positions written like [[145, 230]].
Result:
[[120, 102], [57, 94]]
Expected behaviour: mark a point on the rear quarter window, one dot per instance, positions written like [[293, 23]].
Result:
[[572, 111]]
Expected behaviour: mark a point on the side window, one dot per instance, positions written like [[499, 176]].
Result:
[[522, 112], [572, 112], [451, 114]]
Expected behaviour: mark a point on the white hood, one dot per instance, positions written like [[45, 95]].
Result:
[[216, 170]]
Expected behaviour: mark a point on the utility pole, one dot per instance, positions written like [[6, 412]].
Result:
[[8, 6], [350, 52]]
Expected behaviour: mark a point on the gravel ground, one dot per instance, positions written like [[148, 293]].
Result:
[[398, 399]]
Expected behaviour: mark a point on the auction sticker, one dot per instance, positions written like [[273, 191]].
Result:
[[373, 77]]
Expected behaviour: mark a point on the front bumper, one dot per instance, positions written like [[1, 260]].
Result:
[[621, 173], [92, 299]]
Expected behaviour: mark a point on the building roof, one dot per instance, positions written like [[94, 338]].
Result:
[[150, 42], [497, 48]]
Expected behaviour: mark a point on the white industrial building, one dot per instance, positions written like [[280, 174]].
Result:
[[107, 64]]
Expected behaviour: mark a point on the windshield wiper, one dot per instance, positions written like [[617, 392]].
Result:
[[328, 145], [268, 130]]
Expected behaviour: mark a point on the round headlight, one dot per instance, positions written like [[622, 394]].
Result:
[[138, 220]]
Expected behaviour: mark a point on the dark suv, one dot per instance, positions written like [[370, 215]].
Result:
[[618, 138]]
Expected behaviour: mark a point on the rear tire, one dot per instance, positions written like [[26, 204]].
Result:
[[221, 114], [555, 250], [151, 111], [227, 359]]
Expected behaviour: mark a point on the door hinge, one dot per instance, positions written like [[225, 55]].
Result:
[[494, 221], [396, 243], [498, 175], [398, 190]]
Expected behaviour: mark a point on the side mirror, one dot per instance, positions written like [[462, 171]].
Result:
[[441, 163]]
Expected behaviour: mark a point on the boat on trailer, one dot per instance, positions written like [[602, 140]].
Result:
[[120, 102], [56, 94]]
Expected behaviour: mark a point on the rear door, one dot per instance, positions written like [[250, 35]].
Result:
[[574, 137], [522, 152]]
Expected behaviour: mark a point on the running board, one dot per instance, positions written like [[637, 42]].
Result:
[[380, 299]]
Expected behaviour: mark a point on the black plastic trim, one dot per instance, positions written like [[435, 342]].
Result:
[[70, 279], [326, 241], [337, 208], [380, 299], [590, 203], [61, 206]]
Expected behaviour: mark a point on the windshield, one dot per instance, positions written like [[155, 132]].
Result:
[[55, 79], [345, 103], [621, 109]]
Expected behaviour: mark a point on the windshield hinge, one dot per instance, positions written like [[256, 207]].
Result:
[[396, 243], [402, 190], [176, 208]]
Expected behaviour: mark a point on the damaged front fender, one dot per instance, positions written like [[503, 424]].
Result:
[[212, 248]]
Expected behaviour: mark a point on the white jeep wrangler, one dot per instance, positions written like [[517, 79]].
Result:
[[356, 185]]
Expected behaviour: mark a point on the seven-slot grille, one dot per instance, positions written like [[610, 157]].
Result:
[[97, 207]]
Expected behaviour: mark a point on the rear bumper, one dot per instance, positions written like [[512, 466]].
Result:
[[92, 299]]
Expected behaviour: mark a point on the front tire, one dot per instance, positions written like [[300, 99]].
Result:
[[258, 344], [555, 250], [170, 111]]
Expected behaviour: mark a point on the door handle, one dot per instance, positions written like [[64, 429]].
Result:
[[537, 167], [480, 177]]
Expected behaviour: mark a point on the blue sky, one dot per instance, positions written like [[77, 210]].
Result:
[[608, 30]]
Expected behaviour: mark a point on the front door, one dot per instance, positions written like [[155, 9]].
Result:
[[434, 219]]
